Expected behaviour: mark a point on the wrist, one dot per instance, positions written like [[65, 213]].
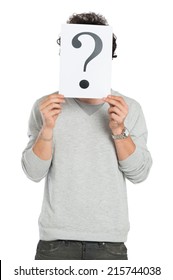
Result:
[[118, 130], [122, 135], [46, 134]]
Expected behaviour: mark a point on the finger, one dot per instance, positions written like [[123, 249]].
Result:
[[116, 99], [53, 95], [49, 101], [117, 105], [114, 103], [115, 118], [53, 113], [115, 110], [52, 106], [56, 94], [118, 110]]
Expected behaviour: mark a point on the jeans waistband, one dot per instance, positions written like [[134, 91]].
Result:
[[89, 242]]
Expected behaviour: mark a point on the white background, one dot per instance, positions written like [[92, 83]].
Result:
[[29, 62]]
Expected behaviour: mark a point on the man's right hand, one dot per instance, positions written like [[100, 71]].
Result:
[[50, 108]]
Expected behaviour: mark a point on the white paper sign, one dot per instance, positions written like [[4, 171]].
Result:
[[85, 60]]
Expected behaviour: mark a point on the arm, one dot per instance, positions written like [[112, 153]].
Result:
[[132, 153], [124, 147], [118, 112], [43, 144], [49, 108], [37, 156]]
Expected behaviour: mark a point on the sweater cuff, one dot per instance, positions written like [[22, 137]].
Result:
[[34, 162], [132, 161]]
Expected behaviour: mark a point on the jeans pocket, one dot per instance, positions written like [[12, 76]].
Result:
[[49, 247], [117, 248]]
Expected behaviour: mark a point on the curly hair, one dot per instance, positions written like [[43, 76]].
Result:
[[91, 18]]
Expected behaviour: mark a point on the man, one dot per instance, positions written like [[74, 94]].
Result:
[[85, 148]]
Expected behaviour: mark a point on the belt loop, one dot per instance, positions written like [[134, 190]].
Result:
[[101, 244]]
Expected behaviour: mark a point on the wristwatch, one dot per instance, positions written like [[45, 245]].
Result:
[[124, 134]]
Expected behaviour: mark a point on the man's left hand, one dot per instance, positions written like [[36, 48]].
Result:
[[117, 113]]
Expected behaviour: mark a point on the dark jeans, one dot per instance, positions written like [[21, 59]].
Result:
[[80, 250]]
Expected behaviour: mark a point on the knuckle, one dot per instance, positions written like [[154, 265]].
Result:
[[53, 94], [52, 106], [49, 97], [40, 104], [52, 99]]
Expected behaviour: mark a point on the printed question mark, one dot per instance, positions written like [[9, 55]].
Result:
[[98, 48]]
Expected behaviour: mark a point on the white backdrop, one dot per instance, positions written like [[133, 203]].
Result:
[[29, 63]]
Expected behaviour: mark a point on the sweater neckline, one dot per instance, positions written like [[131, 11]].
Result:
[[79, 109], [88, 108]]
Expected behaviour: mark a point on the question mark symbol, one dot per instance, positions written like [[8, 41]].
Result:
[[98, 48]]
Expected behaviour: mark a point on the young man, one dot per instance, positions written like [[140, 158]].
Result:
[[85, 148]]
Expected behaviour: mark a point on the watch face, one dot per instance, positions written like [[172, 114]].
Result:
[[123, 135], [126, 133]]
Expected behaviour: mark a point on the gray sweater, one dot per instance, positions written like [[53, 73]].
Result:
[[85, 189]]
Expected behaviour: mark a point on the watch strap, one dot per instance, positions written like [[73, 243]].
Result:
[[123, 135]]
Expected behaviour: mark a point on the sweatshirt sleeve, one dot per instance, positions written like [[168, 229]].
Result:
[[137, 166], [34, 167]]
